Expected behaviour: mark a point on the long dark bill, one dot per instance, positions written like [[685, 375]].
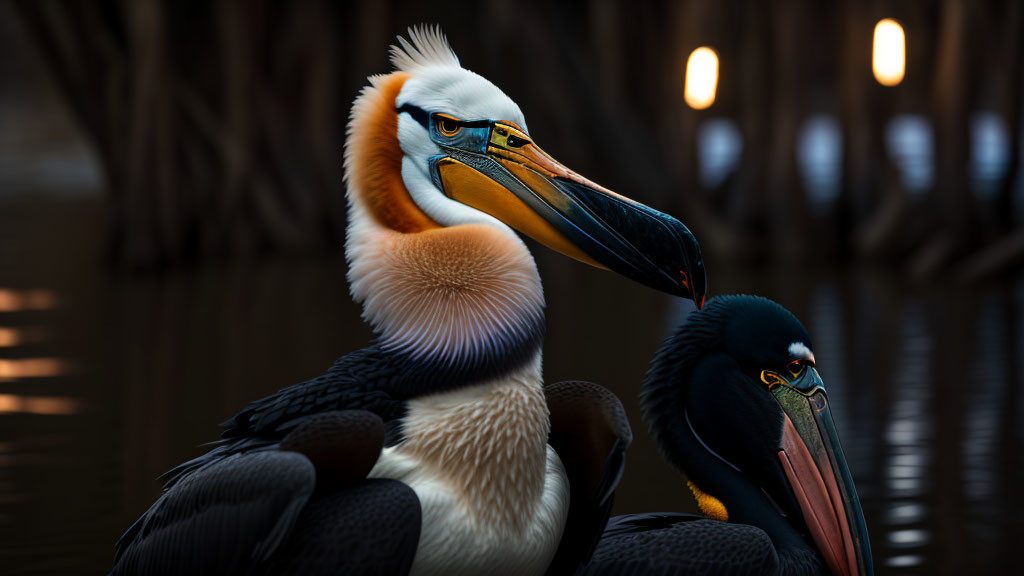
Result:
[[495, 167], [813, 461]]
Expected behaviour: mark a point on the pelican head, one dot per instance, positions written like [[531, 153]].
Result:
[[441, 174], [467, 157], [734, 400]]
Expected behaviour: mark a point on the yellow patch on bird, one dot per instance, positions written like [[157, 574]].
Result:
[[373, 157], [472, 188], [711, 507]]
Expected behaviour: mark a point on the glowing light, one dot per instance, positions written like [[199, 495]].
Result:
[[889, 53], [19, 336], [911, 537], [904, 561], [905, 513], [9, 337], [49, 405], [31, 368], [17, 300], [701, 78]]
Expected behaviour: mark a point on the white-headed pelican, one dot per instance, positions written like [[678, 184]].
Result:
[[437, 449]]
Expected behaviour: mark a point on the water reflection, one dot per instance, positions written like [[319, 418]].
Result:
[[19, 300], [902, 513], [11, 369], [908, 441], [50, 405], [925, 390], [980, 447], [13, 337], [904, 561]]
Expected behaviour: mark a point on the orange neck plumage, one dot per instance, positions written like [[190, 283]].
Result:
[[374, 159]]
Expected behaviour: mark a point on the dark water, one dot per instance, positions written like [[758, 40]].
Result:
[[108, 380]]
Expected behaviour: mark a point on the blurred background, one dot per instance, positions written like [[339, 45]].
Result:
[[172, 214]]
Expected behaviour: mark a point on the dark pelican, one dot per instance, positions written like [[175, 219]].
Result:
[[429, 451], [734, 401]]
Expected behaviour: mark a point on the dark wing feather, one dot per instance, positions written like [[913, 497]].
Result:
[[679, 544], [342, 445], [371, 528], [223, 519], [236, 503], [232, 513], [362, 380], [590, 433], [633, 523]]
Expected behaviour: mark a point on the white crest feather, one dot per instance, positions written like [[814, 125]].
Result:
[[428, 47], [801, 351]]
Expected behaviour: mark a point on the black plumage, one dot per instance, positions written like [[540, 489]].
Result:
[[261, 497], [590, 432], [224, 519], [682, 544], [290, 467], [373, 379], [371, 528], [365, 380], [714, 420]]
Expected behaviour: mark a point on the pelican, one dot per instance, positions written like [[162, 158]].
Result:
[[437, 449], [734, 401]]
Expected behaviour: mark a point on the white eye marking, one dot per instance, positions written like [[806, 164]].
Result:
[[801, 351]]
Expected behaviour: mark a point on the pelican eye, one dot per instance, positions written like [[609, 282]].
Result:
[[448, 126], [796, 367]]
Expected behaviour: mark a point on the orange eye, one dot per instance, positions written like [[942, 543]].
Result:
[[448, 126], [684, 280]]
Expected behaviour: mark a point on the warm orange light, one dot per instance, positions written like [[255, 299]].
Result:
[[20, 336], [17, 300], [31, 368], [701, 78], [889, 53], [10, 337], [39, 404]]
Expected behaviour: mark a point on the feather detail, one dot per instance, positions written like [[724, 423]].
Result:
[[711, 507], [428, 47], [488, 443]]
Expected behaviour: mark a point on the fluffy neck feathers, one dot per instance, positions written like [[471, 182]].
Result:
[[489, 443]]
